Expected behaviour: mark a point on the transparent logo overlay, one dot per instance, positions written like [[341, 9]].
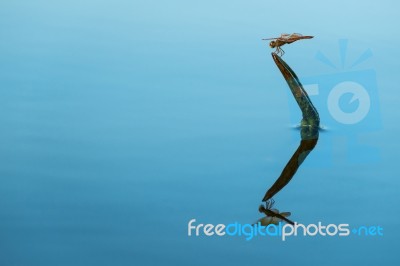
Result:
[[281, 230], [347, 101]]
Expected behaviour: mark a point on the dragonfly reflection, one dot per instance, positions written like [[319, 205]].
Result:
[[272, 216], [285, 39]]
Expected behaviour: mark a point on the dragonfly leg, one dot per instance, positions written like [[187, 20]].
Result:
[[279, 51], [269, 204]]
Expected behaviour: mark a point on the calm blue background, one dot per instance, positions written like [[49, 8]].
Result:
[[122, 120]]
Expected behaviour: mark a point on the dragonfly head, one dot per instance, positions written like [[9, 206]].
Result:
[[272, 44]]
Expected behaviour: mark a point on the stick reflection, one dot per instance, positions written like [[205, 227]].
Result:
[[309, 132]]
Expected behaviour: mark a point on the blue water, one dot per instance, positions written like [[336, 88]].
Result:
[[123, 120]]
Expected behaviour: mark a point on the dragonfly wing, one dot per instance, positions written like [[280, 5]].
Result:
[[275, 210], [286, 214], [306, 37], [299, 36], [265, 220], [296, 35], [275, 220]]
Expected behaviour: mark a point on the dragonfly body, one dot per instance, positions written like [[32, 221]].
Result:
[[285, 39]]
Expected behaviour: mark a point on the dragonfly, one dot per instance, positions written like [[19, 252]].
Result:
[[285, 39], [273, 216]]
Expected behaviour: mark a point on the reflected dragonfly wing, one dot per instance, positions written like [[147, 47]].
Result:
[[275, 220], [264, 221], [270, 213], [281, 217]]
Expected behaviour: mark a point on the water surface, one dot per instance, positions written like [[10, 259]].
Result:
[[122, 121]]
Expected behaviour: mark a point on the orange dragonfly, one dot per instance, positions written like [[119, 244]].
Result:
[[285, 39]]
